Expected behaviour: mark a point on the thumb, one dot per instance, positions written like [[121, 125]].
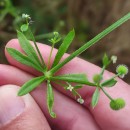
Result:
[[21, 113]]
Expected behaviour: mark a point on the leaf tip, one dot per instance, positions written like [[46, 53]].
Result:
[[73, 30], [20, 93], [53, 115], [18, 33], [93, 107], [7, 49]]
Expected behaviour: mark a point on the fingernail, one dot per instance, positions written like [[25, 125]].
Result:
[[11, 105]]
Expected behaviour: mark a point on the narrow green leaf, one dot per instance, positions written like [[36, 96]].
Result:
[[76, 78], [95, 97], [28, 48], [109, 83], [50, 99], [105, 60], [23, 59], [91, 42], [78, 86], [63, 47], [30, 85]]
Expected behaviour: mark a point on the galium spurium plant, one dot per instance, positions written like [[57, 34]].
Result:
[[33, 58]]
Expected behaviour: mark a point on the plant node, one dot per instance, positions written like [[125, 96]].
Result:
[[48, 75]]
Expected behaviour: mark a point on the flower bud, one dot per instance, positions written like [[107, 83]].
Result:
[[80, 100], [114, 59], [26, 16], [122, 69], [117, 104], [97, 78], [55, 33]]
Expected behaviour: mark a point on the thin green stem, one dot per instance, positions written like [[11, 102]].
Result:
[[39, 53], [107, 94], [34, 41], [105, 91], [101, 75], [103, 69], [77, 93], [49, 60], [27, 22], [91, 42]]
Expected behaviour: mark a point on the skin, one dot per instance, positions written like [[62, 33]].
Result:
[[70, 114]]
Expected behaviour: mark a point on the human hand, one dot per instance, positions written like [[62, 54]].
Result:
[[70, 114]]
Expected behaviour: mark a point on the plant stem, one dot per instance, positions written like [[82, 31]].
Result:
[[103, 69], [49, 60], [107, 94], [34, 41], [91, 42], [77, 93], [105, 91], [32, 36]]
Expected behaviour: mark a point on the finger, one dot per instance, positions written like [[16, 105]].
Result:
[[68, 112], [77, 65], [21, 113]]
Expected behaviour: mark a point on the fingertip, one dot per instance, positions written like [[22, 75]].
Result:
[[11, 105], [13, 43], [17, 113]]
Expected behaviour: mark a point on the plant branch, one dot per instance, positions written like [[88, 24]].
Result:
[[91, 42], [49, 60], [32, 36], [107, 94]]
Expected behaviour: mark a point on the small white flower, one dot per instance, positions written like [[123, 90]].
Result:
[[56, 33], [114, 59], [70, 88], [80, 100], [26, 16]]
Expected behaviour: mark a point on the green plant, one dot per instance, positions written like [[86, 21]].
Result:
[[30, 58]]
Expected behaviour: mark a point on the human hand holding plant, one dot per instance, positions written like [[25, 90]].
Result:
[[33, 58], [48, 71], [70, 114]]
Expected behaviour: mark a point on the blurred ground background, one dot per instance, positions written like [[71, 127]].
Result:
[[88, 17]]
